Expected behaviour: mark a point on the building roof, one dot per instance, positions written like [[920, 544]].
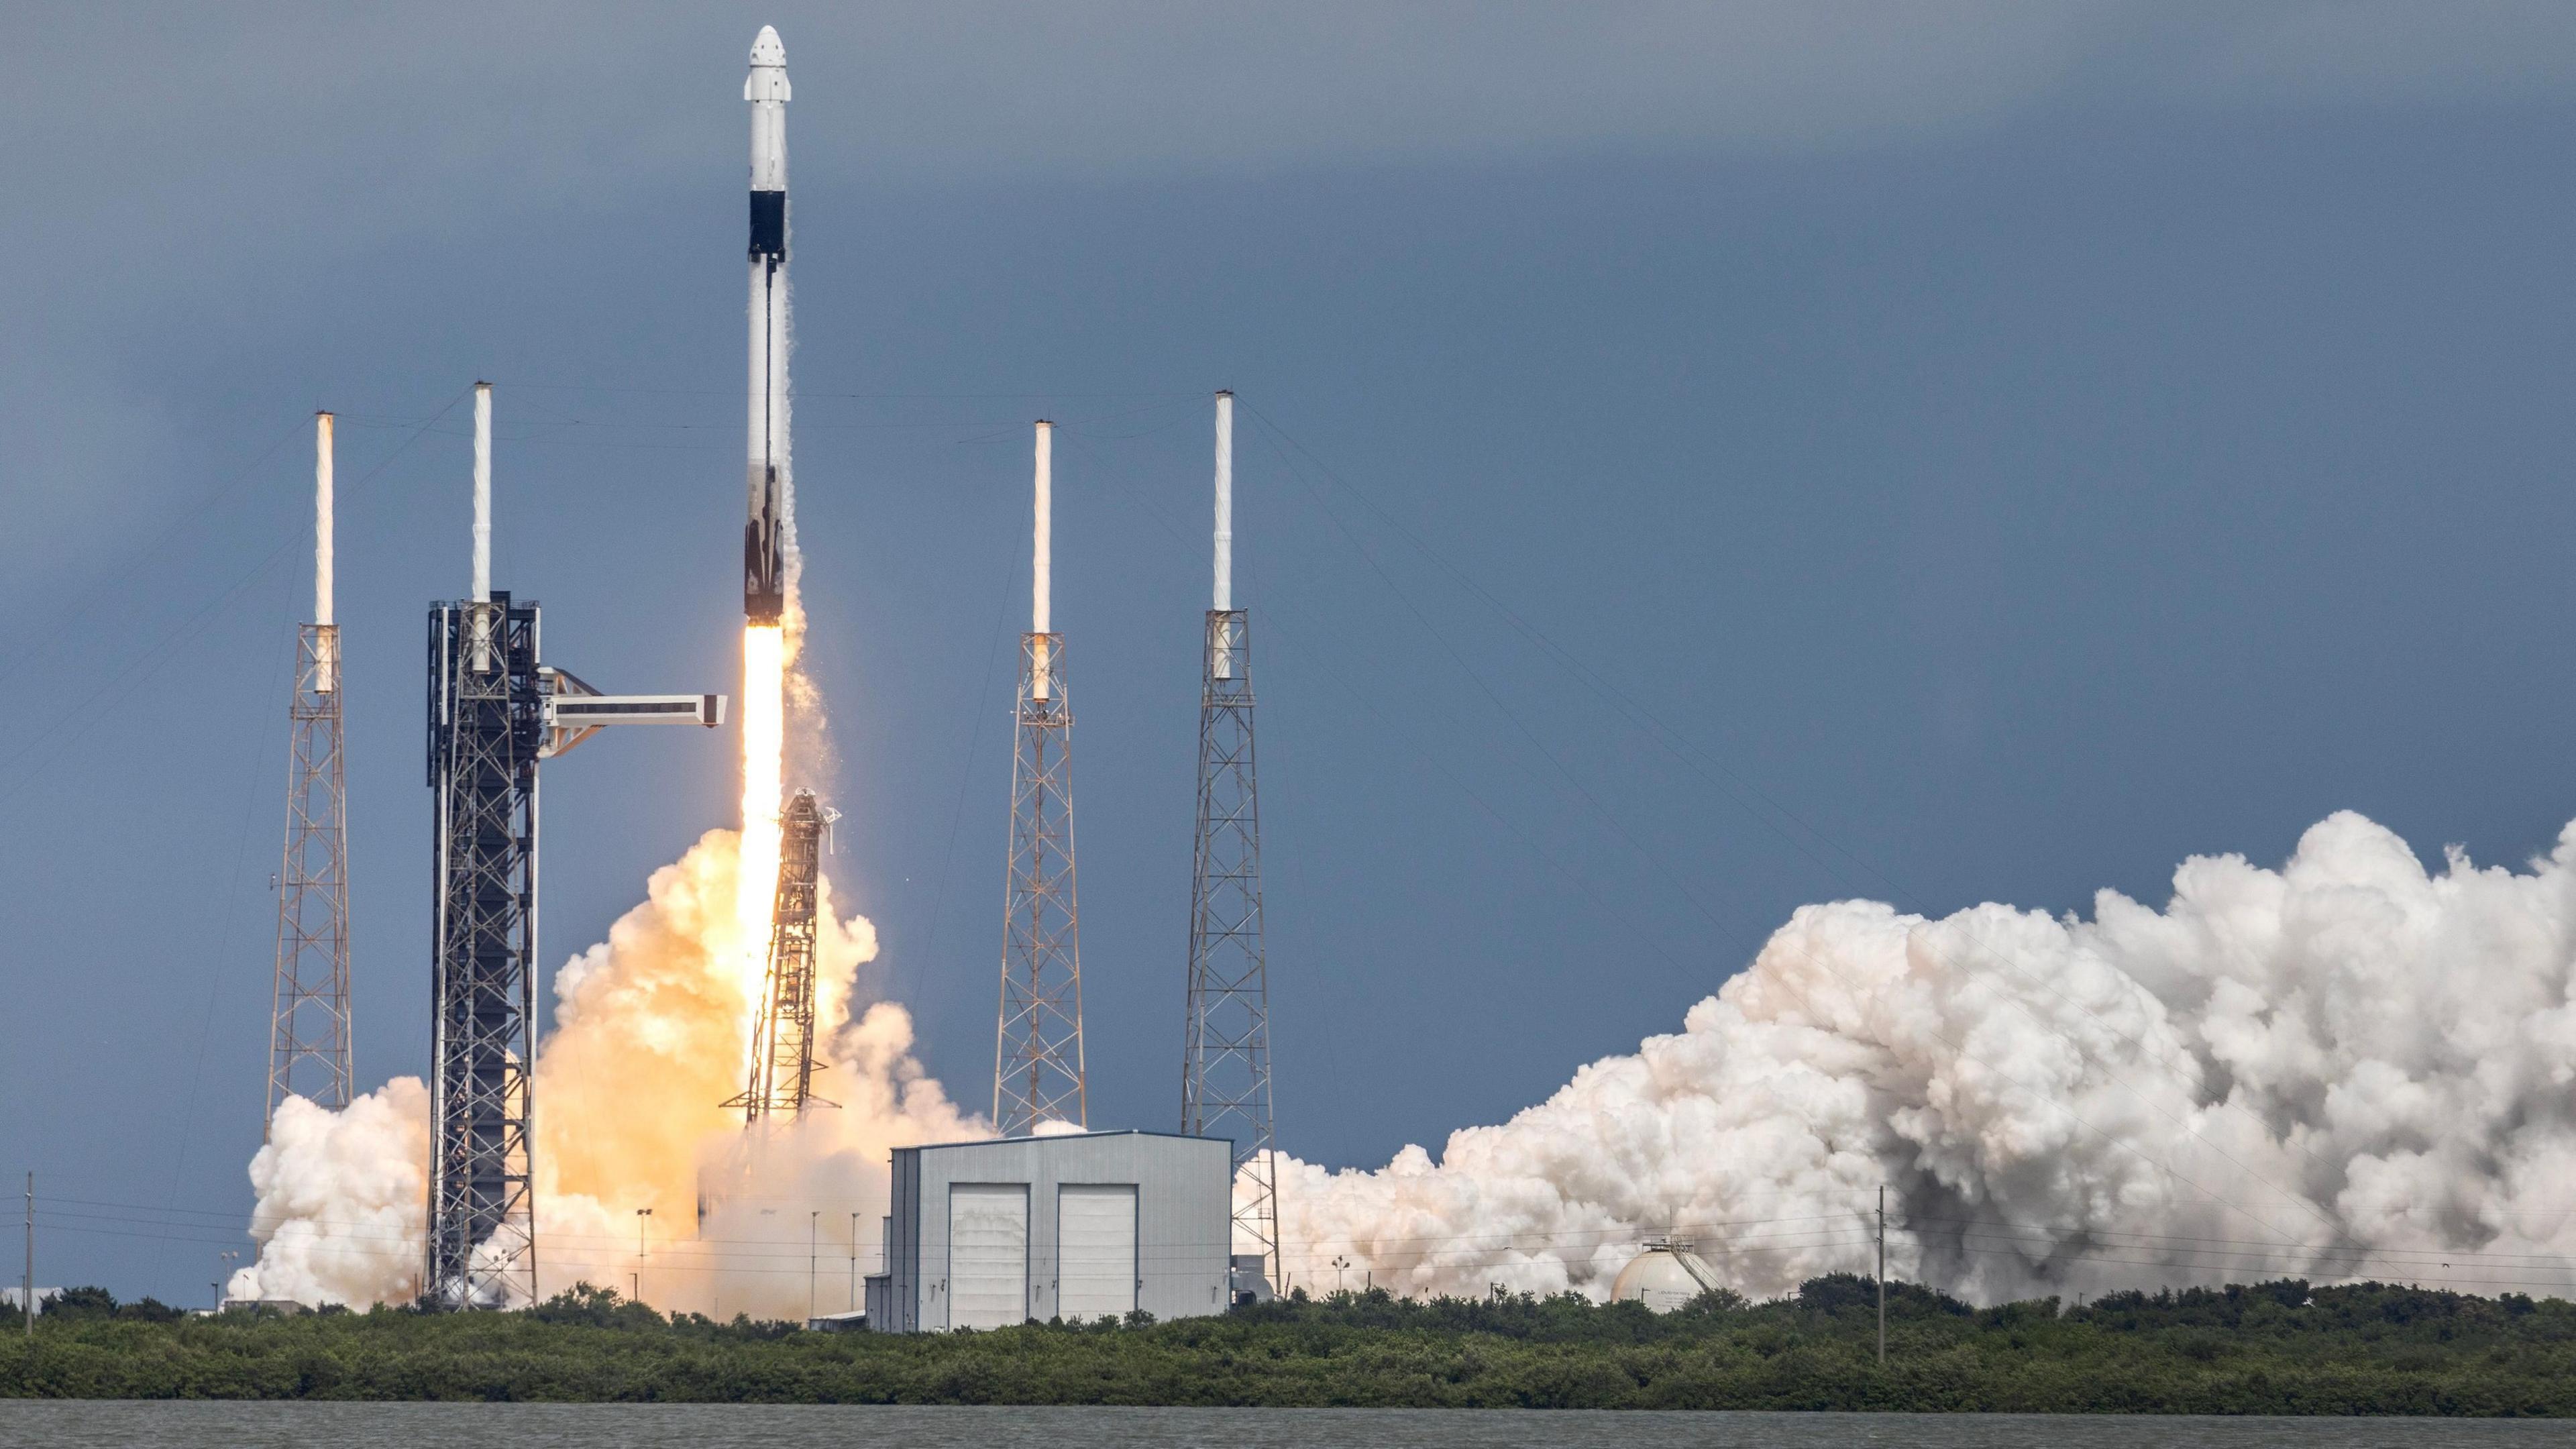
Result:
[[1064, 1137]]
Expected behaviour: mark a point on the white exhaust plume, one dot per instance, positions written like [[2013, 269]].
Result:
[[2348, 1067], [2345, 1068], [647, 1040], [342, 1214]]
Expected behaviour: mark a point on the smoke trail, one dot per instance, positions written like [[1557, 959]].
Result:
[[2346, 1067]]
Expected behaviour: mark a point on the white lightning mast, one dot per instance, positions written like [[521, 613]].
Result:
[[1225, 1064], [1037, 1056], [308, 1038]]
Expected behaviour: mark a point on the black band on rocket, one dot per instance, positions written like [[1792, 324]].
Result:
[[769, 223]]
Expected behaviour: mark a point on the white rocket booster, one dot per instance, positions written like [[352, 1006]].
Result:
[[764, 583]]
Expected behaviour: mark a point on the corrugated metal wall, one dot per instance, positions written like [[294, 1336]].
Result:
[[1183, 1224]]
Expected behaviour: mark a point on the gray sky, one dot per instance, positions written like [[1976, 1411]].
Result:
[[2005, 447]]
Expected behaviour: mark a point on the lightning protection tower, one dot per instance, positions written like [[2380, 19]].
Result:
[[495, 711], [308, 1037], [1037, 1053], [782, 1046], [1225, 1063]]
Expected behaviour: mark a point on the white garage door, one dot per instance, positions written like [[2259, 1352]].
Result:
[[1095, 1235], [988, 1255]]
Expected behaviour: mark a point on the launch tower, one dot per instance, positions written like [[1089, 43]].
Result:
[[308, 1038], [495, 711], [1037, 1054], [1225, 1063], [782, 1046]]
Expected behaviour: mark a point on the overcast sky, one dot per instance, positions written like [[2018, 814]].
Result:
[[1697, 459]]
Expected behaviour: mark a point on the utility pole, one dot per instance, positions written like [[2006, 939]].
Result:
[[813, 1255], [27, 1305], [1882, 1275], [637, 1285], [854, 1262]]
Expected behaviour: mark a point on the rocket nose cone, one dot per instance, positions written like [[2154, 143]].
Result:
[[765, 49]]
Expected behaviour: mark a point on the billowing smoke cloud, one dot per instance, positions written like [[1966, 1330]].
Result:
[[648, 1041], [2346, 1067], [340, 1199]]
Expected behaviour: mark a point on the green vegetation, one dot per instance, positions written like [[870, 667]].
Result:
[[2270, 1348]]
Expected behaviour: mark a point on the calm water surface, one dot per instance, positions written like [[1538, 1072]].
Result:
[[644, 1426]]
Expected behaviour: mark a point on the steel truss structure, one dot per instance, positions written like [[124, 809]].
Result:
[[1225, 1065], [487, 731], [494, 713], [782, 1047], [308, 1039], [1037, 1055]]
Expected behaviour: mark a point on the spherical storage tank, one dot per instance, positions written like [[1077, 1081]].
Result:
[[1663, 1277]]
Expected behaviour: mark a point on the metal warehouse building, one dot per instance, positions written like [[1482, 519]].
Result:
[[988, 1234]]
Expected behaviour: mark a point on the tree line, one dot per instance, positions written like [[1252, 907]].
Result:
[[2279, 1347]]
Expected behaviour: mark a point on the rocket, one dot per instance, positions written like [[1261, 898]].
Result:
[[764, 582]]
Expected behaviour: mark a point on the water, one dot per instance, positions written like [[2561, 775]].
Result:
[[79, 1425]]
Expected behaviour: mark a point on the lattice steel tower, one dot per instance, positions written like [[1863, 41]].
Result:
[[487, 724], [1037, 1053], [495, 711], [308, 1037], [1225, 1063], [782, 1046]]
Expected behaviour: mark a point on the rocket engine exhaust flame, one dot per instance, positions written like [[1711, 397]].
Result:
[[764, 749], [646, 1042]]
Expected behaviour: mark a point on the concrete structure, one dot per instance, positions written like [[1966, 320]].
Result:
[[989, 1234], [1666, 1276]]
